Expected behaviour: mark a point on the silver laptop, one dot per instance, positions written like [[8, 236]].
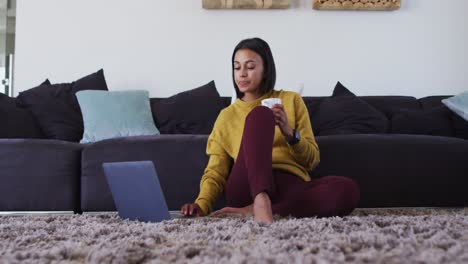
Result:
[[136, 191]]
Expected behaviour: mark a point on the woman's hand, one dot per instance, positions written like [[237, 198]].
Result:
[[281, 119], [191, 209]]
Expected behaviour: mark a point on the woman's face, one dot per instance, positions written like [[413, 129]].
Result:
[[248, 71]]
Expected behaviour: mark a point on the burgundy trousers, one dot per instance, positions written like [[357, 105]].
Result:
[[252, 174]]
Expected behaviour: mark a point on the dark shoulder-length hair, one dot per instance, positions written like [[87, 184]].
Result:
[[260, 47]]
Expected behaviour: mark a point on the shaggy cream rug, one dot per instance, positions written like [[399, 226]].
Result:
[[366, 236]]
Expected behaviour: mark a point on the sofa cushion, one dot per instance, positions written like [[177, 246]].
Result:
[[55, 106], [458, 104], [313, 103], [179, 160], [435, 122], [39, 175], [431, 101], [398, 170], [345, 113], [460, 126], [17, 122], [390, 105], [189, 112], [115, 114], [46, 82]]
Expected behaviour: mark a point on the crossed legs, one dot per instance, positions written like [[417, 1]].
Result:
[[259, 189]]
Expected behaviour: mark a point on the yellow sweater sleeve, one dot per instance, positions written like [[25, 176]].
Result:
[[306, 151], [214, 178]]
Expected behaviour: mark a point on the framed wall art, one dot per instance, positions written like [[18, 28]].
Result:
[[356, 4], [245, 4]]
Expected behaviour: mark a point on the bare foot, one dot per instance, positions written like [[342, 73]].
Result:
[[248, 210], [262, 209]]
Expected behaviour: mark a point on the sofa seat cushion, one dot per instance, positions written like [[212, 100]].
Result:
[[180, 161], [399, 170], [39, 175]]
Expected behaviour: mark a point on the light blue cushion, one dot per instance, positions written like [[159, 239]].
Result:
[[115, 114], [458, 104]]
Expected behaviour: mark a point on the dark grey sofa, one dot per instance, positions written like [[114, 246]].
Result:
[[392, 169], [388, 168]]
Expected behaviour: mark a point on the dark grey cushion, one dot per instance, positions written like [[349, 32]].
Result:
[[389, 105], [56, 108], [460, 126], [39, 175], [429, 102], [435, 122], [17, 122], [190, 112], [179, 160], [345, 113]]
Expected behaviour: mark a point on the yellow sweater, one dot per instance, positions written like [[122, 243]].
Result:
[[224, 143]]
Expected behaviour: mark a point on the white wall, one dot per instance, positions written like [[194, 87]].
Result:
[[175, 45]]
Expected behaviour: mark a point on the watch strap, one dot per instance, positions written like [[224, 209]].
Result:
[[295, 139]]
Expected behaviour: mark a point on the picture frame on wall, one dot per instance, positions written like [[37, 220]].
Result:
[[245, 4], [370, 5]]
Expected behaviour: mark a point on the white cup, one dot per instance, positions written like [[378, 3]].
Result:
[[270, 102]]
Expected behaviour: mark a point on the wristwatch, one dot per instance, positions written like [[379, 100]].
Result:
[[295, 138]]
